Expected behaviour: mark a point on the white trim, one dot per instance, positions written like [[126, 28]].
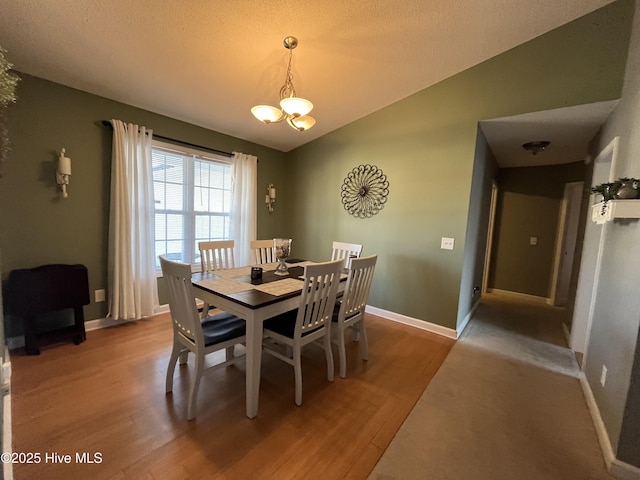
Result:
[[521, 296], [603, 436], [412, 322], [99, 323], [7, 429], [490, 231], [617, 468]]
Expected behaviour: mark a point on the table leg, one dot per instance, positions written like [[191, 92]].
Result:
[[253, 358]]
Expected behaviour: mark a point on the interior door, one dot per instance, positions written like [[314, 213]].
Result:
[[571, 205]]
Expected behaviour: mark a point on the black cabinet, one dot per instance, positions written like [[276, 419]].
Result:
[[30, 292]]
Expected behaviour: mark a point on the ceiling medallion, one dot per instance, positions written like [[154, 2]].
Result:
[[365, 191]]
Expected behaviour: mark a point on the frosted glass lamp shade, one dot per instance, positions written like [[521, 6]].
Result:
[[301, 123], [267, 113], [64, 165], [296, 106]]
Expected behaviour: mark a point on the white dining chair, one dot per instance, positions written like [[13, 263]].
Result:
[[310, 322], [215, 255], [349, 312], [263, 251], [193, 334], [345, 250]]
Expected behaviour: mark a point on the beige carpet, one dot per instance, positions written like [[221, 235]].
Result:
[[505, 404]]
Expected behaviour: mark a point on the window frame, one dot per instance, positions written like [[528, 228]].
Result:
[[189, 235]]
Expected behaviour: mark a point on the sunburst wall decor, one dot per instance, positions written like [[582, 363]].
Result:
[[365, 191]]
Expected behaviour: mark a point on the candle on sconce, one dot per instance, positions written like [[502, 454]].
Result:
[[270, 197]]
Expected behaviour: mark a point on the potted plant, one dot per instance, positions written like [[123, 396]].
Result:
[[8, 83], [628, 188], [607, 190]]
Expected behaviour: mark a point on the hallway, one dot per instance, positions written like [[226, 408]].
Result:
[[506, 403]]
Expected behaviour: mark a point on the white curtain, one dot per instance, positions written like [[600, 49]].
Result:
[[133, 292], [244, 175]]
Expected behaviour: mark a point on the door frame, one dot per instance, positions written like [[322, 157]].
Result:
[[588, 281], [560, 267], [490, 227]]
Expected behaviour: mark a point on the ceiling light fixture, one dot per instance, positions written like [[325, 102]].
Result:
[[536, 147], [293, 109]]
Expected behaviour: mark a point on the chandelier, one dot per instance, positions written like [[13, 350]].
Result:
[[293, 109]]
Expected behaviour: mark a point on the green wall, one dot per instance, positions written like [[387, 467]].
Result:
[[37, 226], [425, 144]]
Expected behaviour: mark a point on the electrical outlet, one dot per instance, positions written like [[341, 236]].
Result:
[[446, 243], [603, 375], [100, 295]]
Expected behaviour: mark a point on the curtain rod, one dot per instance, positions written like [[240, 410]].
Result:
[[107, 123]]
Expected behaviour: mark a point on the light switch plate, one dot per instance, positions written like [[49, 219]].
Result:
[[533, 240], [100, 295], [446, 243]]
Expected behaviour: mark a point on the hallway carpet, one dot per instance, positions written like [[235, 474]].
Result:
[[506, 404]]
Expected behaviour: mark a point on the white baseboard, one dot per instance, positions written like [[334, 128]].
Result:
[[7, 429], [412, 322], [617, 468], [521, 296]]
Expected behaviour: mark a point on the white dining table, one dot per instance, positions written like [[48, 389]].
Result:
[[255, 301]]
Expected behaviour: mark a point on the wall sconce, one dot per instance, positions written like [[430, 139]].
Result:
[[63, 173], [270, 198]]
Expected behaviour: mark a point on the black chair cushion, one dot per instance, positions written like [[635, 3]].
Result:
[[222, 327], [336, 312], [284, 324]]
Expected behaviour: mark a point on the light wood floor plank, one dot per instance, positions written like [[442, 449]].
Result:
[[107, 395]]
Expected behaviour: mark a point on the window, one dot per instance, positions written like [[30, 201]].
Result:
[[192, 193]]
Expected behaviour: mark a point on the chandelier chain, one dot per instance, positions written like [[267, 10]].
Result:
[[288, 90]]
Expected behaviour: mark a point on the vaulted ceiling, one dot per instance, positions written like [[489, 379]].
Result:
[[208, 62]]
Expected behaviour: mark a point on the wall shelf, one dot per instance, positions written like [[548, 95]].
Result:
[[615, 209]]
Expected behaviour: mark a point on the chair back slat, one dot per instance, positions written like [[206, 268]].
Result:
[[356, 293], [182, 300], [318, 296], [217, 255], [263, 251], [345, 250]]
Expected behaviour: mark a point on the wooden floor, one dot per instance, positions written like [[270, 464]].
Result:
[[106, 398]]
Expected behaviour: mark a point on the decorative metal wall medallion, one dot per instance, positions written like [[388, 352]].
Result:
[[365, 191]]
